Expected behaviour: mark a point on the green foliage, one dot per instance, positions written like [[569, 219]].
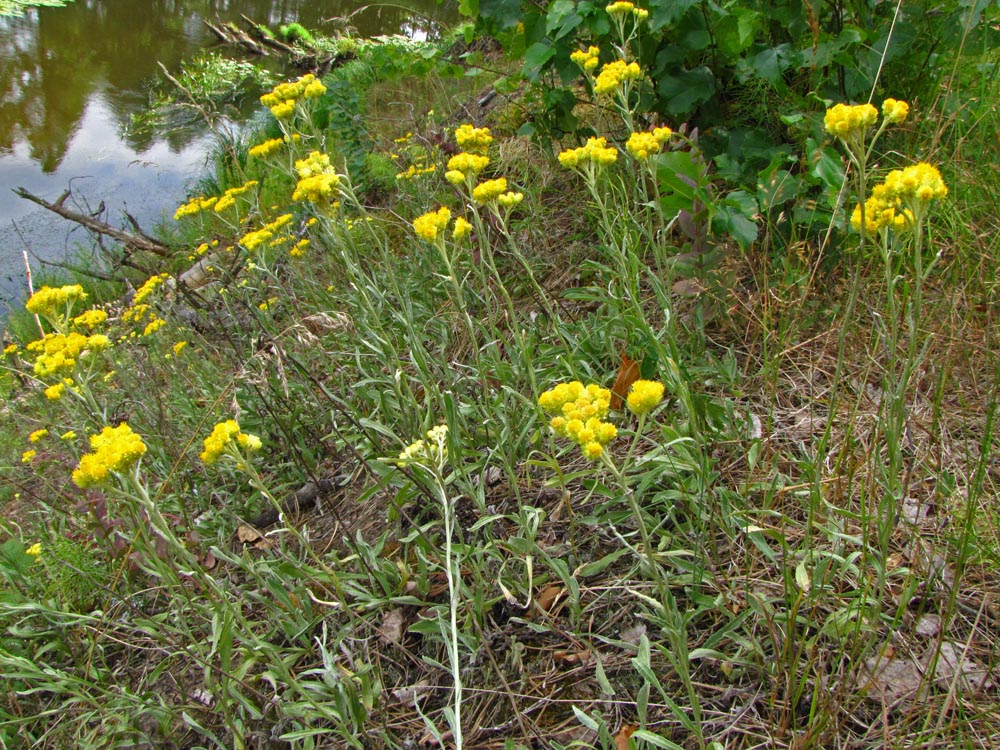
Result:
[[296, 33], [417, 549], [18, 7]]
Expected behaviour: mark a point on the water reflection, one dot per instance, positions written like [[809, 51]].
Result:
[[54, 60], [71, 79]]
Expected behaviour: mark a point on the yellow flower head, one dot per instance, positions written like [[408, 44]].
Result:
[[37, 435], [55, 301], [114, 450], [644, 395], [433, 450], [90, 319], [489, 190], [34, 550], [470, 165], [643, 145], [265, 149], [27, 456], [432, 224], [587, 59], [847, 121], [578, 415], [596, 151], [895, 111], [619, 8], [225, 436], [614, 74], [473, 140], [462, 229], [55, 392]]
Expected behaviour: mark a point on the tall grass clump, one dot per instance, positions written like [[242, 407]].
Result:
[[450, 437]]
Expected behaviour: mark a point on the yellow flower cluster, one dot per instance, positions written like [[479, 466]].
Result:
[[318, 180], [433, 449], [464, 166], [34, 550], [225, 436], [228, 199], [578, 412], [644, 396], [473, 140], [37, 435], [149, 286], [59, 352], [195, 206], [53, 302], [920, 181], [282, 98], [489, 190], [587, 59], [642, 145], [892, 203], [510, 199], [265, 149], [115, 449], [253, 240], [55, 392], [90, 319], [462, 229], [848, 121], [595, 151], [415, 170], [614, 74], [432, 224], [27, 456], [895, 111], [299, 248], [624, 8]]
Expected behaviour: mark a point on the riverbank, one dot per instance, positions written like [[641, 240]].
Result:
[[478, 431]]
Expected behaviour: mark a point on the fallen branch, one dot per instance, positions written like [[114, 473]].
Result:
[[135, 241]]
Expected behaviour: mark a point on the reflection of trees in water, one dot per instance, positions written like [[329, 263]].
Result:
[[52, 61]]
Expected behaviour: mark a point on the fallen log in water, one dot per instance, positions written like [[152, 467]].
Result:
[[135, 241]]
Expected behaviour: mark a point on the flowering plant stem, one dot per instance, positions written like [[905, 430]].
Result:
[[673, 621]]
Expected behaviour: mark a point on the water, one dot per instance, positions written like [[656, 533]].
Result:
[[70, 80]]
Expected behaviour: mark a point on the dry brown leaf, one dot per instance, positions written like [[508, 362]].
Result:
[[622, 738], [548, 597], [583, 656], [249, 535], [393, 627], [955, 666], [628, 373], [892, 680]]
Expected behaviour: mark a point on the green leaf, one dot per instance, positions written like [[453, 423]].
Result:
[[683, 91], [598, 566], [655, 740], [561, 19], [735, 33], [535, 58], [669, 13], [733, 218], [503, 14]]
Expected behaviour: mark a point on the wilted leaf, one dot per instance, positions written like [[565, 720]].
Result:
[[621, 739], [249, 535], [581, 656], [628, 373], [892, 680], [954, 666], [548, 596], [393, 627]]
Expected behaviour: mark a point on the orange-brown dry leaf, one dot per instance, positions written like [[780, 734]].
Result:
[[628, 373], [548, 596], [621, 739]]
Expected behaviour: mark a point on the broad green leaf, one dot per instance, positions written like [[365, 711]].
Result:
[[684, 90]]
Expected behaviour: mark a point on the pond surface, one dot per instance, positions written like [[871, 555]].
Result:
[[70, 80]]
